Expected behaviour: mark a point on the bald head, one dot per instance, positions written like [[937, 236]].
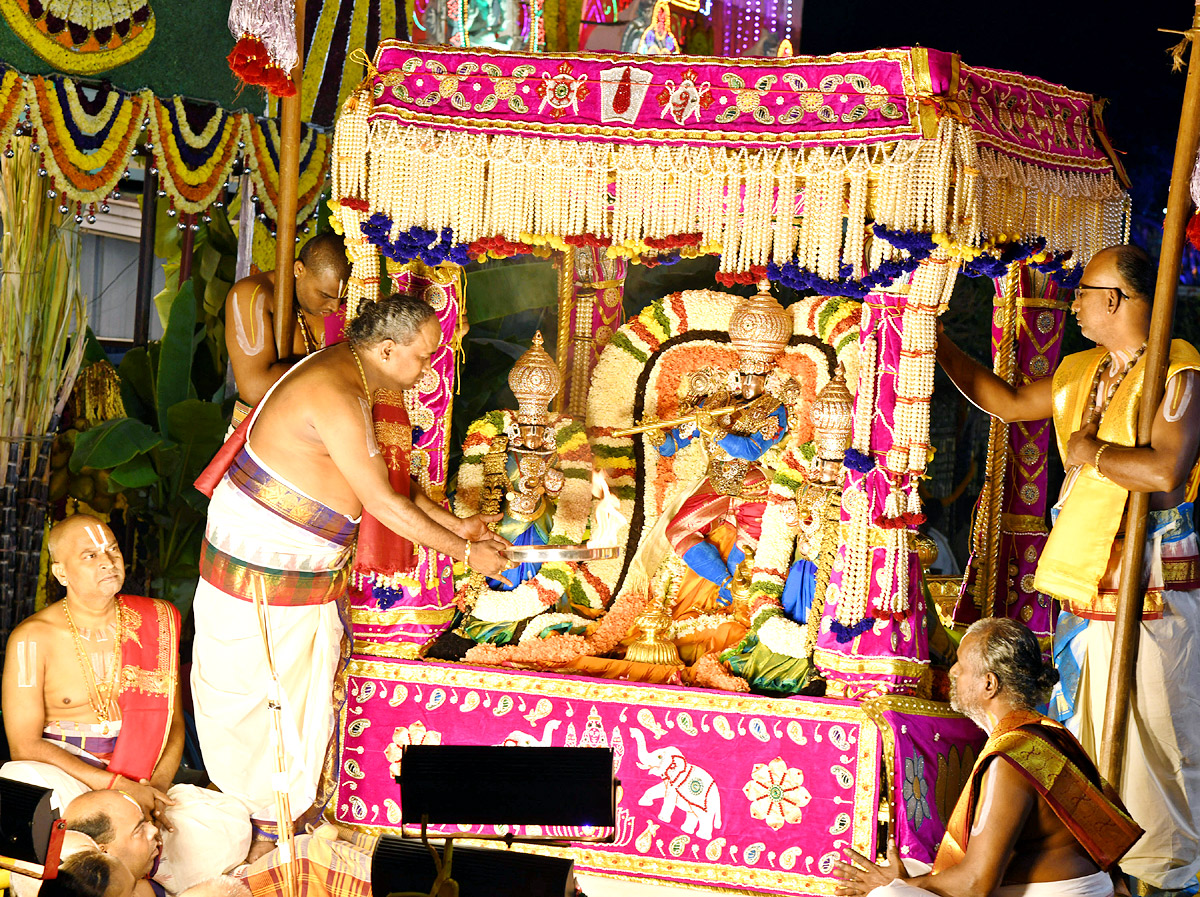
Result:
[[115, 821], [86, 559], [65, 529], [1125, 264]]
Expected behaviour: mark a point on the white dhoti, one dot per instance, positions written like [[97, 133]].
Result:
[[267, 538], [1098, 884], [212, 830], [1160, 781]]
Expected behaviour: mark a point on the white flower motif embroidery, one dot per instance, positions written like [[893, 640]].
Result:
[[776, 793], [405, 736]]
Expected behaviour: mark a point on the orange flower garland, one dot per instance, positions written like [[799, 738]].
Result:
[[84, 176], [196, 184], [12, 103]]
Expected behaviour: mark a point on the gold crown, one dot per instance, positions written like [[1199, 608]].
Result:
[[759, 329], [535, 381], [832, 414]]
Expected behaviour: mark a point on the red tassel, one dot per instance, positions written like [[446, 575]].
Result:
[[1193, 230], [249, 61]]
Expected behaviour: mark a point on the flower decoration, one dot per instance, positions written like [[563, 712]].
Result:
[[12, 103], [194, 164], [916, 802], [776, 793], [82, 38], [404, 736], [85, 143]]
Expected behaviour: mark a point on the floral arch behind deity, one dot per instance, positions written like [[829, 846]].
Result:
[[642, 371]]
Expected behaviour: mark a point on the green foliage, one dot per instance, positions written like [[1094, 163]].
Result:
[[214, 259], [155, 454]]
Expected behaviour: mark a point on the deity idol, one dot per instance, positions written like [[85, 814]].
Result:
[[657, 40], [531, 465], [716, 529]]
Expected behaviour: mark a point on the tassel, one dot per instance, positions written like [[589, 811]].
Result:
[[266, 51]]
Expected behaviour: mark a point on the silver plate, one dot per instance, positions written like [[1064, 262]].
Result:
[[533, 554]]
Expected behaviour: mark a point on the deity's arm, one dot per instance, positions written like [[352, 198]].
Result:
[[751, 447], [673, 441], [250, 340], [24, 705], [990, 393], [1004, 805], [1164, 464], [168, 763]]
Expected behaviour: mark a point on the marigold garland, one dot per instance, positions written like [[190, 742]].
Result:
[[12, 103], [85, 158], [263, 161], [194, 168]]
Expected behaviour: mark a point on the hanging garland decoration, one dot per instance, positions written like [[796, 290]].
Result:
[[194, 166], [82, 38], [264, 169], [12, 104], [85, 143], [265, 52]]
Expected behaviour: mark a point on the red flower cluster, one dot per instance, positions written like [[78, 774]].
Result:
[[586, 240], [1193, 230], [754, 275], [674, 242], [353, 202], [249, 61], [904, 521], [498, 246]]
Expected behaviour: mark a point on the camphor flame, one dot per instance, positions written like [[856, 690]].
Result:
[[609, 518]]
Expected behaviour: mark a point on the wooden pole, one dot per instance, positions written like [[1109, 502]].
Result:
[[1129, 600], [289, 181], [145, 279]]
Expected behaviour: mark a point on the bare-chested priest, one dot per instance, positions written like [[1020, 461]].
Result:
[[287, 490], [320, 274], [91, 702], [1035, 818]]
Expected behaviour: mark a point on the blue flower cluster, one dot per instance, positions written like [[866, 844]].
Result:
[[858, 462], [918, 245], [429, 246], [845, 633], [993, 266]]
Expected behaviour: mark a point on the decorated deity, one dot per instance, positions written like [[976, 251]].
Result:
[[657, 40], [531, 465], [715, 530]]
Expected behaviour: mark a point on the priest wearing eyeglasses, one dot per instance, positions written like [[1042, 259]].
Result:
[[1094, 398]]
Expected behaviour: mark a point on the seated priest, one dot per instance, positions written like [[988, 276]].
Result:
[[91, 702], [1041, 823]]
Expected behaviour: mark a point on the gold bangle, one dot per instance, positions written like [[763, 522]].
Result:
[[1096, 460], [467, 554]]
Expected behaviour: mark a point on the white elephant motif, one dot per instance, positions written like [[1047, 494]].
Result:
[[518, 738], [683, 786]]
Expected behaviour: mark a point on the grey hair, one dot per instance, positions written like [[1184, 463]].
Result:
[[398, 318], [1012, 654]]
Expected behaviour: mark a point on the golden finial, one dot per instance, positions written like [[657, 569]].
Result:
[[759, 329], [535, 381]]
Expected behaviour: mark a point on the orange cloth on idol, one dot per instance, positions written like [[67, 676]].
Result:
[[1050, 758]]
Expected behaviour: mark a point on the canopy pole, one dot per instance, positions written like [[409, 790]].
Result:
[[1129, 600], [289, 180]]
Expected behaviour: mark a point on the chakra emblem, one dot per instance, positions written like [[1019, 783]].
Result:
[[562, 91], [685, 101]]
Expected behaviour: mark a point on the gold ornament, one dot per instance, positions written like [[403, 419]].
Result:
[[927, 550], [832, 415], [535, 381], [654, 645], [759, 329]]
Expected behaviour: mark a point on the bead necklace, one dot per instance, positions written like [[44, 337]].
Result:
[[99, 694], [1098, 409], [361, 372], [310, 339]]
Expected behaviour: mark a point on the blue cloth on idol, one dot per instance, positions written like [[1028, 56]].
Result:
[[737, 445], [705, 560], [523, 571], [798, 590]]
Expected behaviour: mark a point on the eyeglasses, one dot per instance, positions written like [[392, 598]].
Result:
[[1084, 286]]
